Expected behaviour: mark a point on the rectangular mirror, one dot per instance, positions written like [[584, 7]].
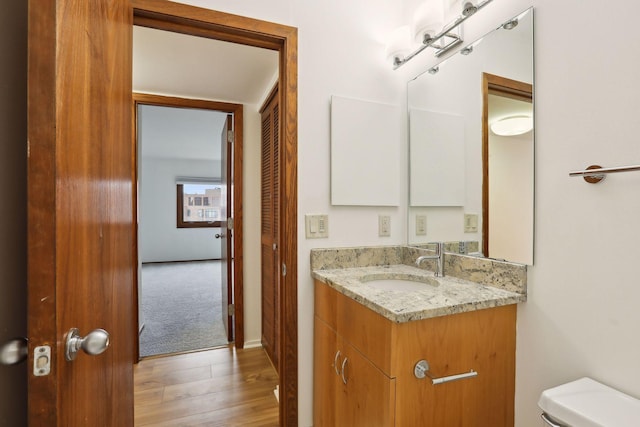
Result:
[[471, 147]]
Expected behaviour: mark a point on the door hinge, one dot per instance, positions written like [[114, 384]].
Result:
[[231, 136], [231, 309], [230, 223], [284, 269]]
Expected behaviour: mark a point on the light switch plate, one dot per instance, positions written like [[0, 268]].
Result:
[[384, 225], [316, 226], [470, 223], [421, 225]]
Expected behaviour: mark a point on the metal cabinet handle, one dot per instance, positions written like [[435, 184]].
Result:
[[421, 370], [219, 235], [335, 362], [548, 421], [344, 366], [14, 351], [96, 342]]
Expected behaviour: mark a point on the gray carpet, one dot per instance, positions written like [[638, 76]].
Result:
[[181, 305]]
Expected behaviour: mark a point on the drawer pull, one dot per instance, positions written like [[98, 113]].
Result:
[[421, 370], [335, 362], [344, 366]]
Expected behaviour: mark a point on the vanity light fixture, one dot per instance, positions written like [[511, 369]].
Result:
[[512, 125], [428, 30]]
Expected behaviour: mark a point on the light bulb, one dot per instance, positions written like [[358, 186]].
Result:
[[398, 44], [427, 20]]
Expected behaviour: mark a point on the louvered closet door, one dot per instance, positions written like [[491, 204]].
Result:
[[270, 214]]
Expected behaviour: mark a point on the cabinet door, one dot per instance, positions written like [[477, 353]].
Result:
[[482, 340], [325, 379], [368, 397]]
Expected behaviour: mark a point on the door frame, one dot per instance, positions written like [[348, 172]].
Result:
[[229, 108], [191, 20]]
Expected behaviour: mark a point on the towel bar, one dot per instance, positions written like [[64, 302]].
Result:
[[594, 173], [421, 370]]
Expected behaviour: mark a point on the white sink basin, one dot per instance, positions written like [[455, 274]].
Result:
[[406, 283]]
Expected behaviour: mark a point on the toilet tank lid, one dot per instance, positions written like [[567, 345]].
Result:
[[588, 403]]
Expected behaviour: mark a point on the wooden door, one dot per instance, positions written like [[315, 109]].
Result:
[[270, 203], [226, 225], [80, 193]]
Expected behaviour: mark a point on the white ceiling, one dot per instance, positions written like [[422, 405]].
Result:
[[502, 106], [194, 67]]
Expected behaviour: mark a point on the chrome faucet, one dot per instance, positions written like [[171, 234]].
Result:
[[439, 256]]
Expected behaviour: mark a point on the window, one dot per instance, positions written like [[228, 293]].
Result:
[[200, 204]]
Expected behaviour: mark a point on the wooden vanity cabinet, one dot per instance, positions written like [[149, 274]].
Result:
[[351, 390], [381, 388]]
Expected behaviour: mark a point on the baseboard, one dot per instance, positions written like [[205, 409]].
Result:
[[253, 344]]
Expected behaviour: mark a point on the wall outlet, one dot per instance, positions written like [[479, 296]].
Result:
[[470, 223], [421, 225], [316, 226], [384, 225]]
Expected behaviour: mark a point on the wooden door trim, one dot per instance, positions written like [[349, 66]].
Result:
[[237, 111], [41, 232], [491, 85], [233, 175], [169, 16]]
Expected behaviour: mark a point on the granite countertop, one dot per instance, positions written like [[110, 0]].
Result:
[[447, 295]]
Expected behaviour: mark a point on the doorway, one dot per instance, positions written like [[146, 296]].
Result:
[[210, 24], [185, 251]]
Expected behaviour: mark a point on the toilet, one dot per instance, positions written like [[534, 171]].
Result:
[[588, 403]]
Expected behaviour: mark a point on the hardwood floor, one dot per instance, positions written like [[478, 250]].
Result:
[[221, 387]]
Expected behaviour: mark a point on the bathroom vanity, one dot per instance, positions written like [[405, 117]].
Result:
[[441, 353]]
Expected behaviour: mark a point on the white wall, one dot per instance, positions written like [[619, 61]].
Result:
[[581, 317], [160, 239], [511, 196]]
